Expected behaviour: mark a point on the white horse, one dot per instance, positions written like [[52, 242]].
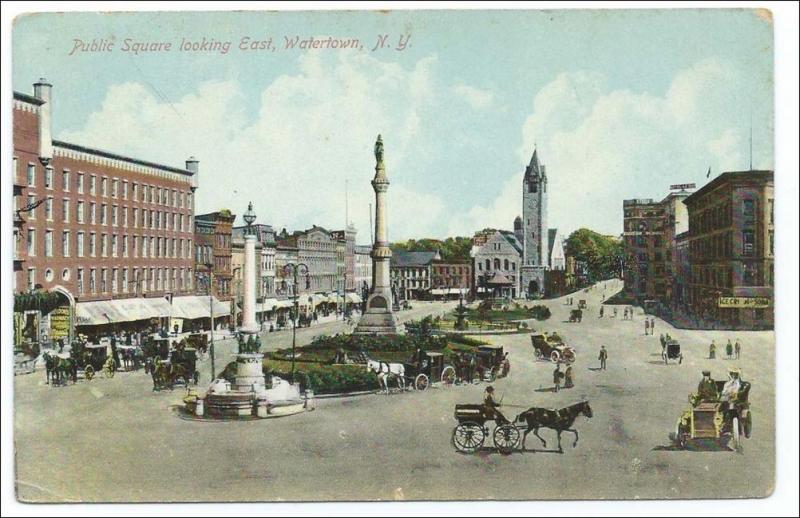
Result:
[[385, 370]]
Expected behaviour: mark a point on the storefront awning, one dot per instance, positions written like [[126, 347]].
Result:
[[196, 306], [448, 291], [129, 310]]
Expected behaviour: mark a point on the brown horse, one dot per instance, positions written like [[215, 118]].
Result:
[[560, 420]]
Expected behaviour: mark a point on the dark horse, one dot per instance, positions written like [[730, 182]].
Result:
[[60, 370], [558, 420]]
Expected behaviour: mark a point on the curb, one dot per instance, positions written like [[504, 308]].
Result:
[[338, 395]]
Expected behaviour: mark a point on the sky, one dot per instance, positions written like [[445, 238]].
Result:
[[620, 104]]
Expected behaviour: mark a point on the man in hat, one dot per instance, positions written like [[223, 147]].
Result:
[[707, 388], [646, 327], [603, 357], [729, 349], [490, 406], [569, 379], [557, 375], [737, 348], [712, 350]]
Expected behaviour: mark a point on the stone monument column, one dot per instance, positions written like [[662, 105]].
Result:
[[249, 324], [379, 318]]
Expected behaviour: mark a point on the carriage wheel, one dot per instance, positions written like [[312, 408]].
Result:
[[493, 373], [448, 376], [110, 370], [506, 437], [88, 373], [554, 356], [421, 382], [538, 353], [737, 439], [680, 359], [747, 424], [569, 356], [468, 437]]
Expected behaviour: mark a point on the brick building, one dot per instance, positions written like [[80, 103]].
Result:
[[105, 226], [411, 274], [212, 241], [450, 279], [731, 251]]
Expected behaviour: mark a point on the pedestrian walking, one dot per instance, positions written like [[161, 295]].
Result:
[[738, 348], [601, 311], [646, 327], [652, 325], [569, 380], [631, 312], [663, 342], [712, 350], [557, 375], [615, 312], [729, 349], [625, 314], [603, 357]]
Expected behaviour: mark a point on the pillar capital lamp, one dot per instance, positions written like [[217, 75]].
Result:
[[249, 216]]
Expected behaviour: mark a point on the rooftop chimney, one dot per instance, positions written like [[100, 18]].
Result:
[[193, 165], [42, 90]]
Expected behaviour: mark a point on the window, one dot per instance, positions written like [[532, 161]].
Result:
[[114, 274], [31, 242], [144, 246], [48, 243], [79, 244], [93, 280], [125, 217], [93, 185], [135, 192], [104, 245], [771, 242], [114, 188], [65, 210], [31, 175], [31, 279], [80, 281], [79, 185], [80, 212], [48, 209], [124, 280], [114, 210], [92, 244], [104, 280], [65, 180], [134, 247], [104, 188], [93, 213], [749, 210], [104, 214], [65, 243], [124, 246], [125, 189], [748, 243], [113, 245], [48, 177], [31, 201]]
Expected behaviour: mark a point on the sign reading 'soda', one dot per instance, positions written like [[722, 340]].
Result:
[[744, 302]]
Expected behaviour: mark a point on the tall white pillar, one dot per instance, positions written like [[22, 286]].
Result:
[[249, 324]]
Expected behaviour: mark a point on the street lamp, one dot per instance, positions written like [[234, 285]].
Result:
[[295, 269], [249, 217]]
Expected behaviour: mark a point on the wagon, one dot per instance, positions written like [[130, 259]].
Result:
[[722, 422], [471, 432], [94, 359], [155, 346], [181, 366], [431, 370], [492, 362], [672, 351], [575, 315], [552, 348]]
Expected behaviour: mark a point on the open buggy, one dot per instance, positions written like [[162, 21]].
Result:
[[471, 432], [723, 422], [551, 347], [672, 351], [430, 369]]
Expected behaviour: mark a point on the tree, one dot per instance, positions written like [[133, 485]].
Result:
[[603, 255], [454, 249]]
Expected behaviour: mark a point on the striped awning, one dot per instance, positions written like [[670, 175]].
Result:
[[129, 310]]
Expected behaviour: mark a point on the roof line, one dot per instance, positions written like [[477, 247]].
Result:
[[115, 156], [28, 98]]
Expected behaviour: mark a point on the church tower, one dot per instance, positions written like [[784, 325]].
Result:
[[534, 228]]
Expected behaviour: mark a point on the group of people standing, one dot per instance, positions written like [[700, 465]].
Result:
[[732, 350]]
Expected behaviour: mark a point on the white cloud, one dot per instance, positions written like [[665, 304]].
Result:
[[312, 131], [475, 97]]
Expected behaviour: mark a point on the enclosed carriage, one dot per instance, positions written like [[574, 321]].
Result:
[[492, 363], [672, 351], [431, 368], [576, 315], [551, 348]]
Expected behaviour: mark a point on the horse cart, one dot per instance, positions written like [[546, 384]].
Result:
[[672, 351], [723, 422], [576, 315], [430, 369], [491, 362], [95, 359], [551, 347], [471, 432], [180, 367]]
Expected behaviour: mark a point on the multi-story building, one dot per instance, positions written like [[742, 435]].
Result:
[[450, 279], [650, 245], [95, 225], [362, 268], [411, 274], [731, 250], [346, 257], [212, 242], [497, 257], [316, 249], [265, 250]]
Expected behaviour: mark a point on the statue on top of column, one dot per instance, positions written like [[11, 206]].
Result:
[[379, 150]]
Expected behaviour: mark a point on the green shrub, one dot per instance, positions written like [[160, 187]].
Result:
[[540, 312]]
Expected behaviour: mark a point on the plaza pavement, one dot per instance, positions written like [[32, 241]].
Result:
[[116, 440]]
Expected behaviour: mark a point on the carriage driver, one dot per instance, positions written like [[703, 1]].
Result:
[[730, 391], [490, 406], [707, 388]]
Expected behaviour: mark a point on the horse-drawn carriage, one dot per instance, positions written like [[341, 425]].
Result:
[[576, 315], [95, 358], [672, 351], [491, 362], [471, 432], [180, 367], [582, 303], [85, 359], [155, 346], [198, 341], [552, 347], [430, 369], [724, 422]]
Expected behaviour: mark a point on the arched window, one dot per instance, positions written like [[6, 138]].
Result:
[[497, 264], [506, 265]]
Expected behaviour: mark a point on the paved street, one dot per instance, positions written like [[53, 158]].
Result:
[[116, 440]]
